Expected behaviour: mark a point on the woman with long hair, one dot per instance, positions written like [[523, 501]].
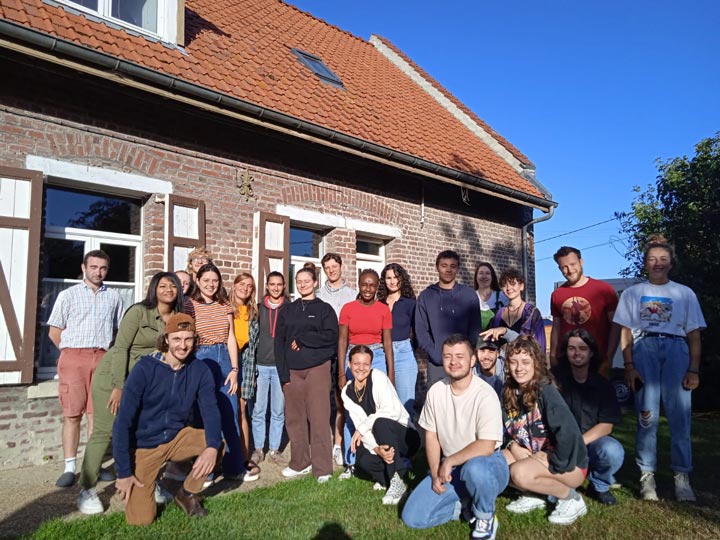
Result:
[[137, 335], [592, 401], [518, 315], [660, 339], [544, 447], [269, 390], [217, 347], [305, 344], [245, 325], [490, 296], [364, 321], [395, 289]]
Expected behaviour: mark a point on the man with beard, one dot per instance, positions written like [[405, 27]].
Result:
[[152, 425], [583, 302], [463, 423]]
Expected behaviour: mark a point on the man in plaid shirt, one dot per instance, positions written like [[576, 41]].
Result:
[[83, 324]]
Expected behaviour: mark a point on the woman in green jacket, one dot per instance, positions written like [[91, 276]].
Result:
[[139, 329]]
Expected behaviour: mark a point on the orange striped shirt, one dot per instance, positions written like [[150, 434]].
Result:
[[211, 321]]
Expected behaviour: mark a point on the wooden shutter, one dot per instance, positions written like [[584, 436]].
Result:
[[186, 229], [20, 222], [271, 247]]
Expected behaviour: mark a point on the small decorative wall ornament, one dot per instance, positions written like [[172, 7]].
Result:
[[245, 184]]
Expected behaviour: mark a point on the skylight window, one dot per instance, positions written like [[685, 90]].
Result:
[[318, 67]]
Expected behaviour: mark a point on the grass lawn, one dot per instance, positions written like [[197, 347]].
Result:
[[303, 509]]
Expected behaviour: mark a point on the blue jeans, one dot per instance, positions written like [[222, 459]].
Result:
[[479, 481], [662, 363], [268, 381], [606, 457], [406, 370], [378, 363], [216, 357]]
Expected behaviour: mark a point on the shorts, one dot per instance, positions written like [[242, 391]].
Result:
[[75, 371]]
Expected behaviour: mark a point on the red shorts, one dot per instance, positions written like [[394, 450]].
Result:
[[75, 371]]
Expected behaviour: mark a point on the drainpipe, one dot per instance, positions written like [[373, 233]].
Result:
[[525, 258]]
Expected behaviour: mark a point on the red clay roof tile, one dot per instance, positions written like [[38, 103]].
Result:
[[243, 48]]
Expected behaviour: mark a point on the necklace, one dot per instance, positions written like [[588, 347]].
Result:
[[514, 314], [359, 394]]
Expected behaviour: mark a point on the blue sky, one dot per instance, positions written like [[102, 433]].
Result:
[[592, 92]]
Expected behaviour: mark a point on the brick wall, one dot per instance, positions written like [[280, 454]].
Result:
[[29, 428], [205, 157]]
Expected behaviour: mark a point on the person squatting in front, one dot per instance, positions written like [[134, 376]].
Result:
[[545, 449], [463, 436], [384, 441], [152, 425]]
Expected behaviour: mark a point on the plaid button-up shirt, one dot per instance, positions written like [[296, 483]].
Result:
[[88, 318]]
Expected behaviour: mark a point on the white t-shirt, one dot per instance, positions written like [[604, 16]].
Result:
[[497, 300], [669, 309], [460, 420]]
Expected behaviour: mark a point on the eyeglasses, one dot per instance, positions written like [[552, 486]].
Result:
[[203, 260]]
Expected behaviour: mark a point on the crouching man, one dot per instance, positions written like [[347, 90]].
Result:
[[152, 423], [463, 423]]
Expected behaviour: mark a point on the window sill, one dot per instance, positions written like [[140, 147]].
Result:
[[43, 390]]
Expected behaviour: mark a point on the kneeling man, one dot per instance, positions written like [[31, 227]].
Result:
[[463, 423], [152, 423]]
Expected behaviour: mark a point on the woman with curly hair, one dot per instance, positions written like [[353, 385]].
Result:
[[660, 339], [395, 289], [489, 294], [197, 258], [544, 447], [245, 326], [519, 315]]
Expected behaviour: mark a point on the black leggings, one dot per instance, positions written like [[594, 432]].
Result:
[[405, 441]]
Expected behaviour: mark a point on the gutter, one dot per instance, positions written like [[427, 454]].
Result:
[[267, 117], [524, 238]]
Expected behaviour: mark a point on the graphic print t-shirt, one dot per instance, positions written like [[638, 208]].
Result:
[[669, 309]]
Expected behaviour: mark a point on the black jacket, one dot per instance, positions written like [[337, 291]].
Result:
[[313, 325]]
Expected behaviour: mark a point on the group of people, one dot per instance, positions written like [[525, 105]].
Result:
[[195, 371]]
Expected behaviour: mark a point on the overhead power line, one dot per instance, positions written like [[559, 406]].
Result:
[[576, 230], [611, 241]]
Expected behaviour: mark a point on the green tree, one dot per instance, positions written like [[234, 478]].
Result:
[[684, 206]]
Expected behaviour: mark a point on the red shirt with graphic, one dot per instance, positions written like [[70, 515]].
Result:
[[585, 307]]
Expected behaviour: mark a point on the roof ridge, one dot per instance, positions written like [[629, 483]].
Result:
[[484, 126], [323, 21]]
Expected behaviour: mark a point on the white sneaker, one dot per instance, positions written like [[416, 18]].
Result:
[[525, 504], [396, 490], [647, 486], [683, 491], [348, 473], [287, 472], [377, 486], [324, 479], [337, 455], [484, 529], [89, 503], [567, 511], [162, 495]]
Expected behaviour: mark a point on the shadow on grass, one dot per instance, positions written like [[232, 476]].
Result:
[[331, 531]]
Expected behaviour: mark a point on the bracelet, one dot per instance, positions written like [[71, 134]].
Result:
[[694, 371], [235, 369], [629, 364]]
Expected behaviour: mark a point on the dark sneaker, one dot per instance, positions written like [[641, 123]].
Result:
[[191, 504], [603, 497], [67, 479], [106, 475]]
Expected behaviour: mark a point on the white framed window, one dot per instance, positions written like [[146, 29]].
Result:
[[157, 18], [306, 245], [77, 222], [369, 253]]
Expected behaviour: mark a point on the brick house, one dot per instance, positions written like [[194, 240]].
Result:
[[251, 127]]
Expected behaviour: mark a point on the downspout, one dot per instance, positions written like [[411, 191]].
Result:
[[525, 258]]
